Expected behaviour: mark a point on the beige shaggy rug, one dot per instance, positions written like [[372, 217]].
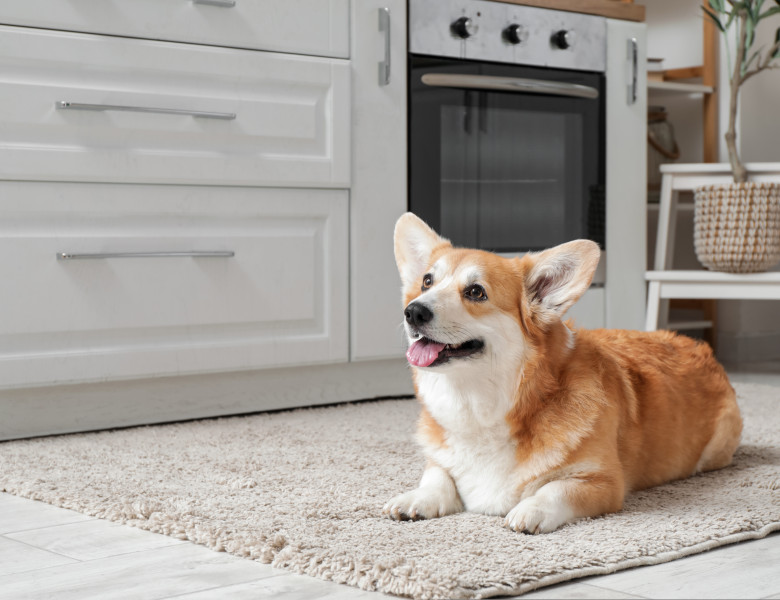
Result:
[[303, 490]]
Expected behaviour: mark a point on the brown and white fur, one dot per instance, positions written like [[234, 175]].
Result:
[[524, 416]]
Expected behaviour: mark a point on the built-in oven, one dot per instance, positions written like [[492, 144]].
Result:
[[506, 123]]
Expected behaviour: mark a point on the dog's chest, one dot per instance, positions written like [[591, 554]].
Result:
[[484, 470], [479, 452]]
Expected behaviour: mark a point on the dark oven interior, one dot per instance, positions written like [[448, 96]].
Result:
[[506, 171]]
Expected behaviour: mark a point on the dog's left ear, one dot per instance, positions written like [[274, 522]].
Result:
[[414, 242], [560, 275]]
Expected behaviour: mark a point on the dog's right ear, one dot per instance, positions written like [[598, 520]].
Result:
[[560, 275], [414, 242]]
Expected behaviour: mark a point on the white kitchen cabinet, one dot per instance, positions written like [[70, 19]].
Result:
[[626, 116], [225, 180], [151, 289], [79, 107], [379, 177], [314, 27]]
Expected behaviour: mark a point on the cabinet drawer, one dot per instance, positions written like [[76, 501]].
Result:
[[158, 112], [281, 299], [316, 27]]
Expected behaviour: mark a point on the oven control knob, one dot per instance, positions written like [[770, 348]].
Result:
[[515, 34], [563, 39], [463, 28]]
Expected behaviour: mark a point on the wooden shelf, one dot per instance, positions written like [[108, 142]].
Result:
[[678, 87], [681, 206], [687, 325], [615, 9]]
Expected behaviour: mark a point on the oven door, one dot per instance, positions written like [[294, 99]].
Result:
[[506, 158]]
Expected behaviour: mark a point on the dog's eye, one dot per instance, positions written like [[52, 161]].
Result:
[[427, 281], [476, 293]]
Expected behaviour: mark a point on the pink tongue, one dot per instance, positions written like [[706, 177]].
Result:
[[423, 352]]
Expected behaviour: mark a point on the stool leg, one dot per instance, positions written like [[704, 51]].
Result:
[[653, 305], [664, 243], [663, 315]]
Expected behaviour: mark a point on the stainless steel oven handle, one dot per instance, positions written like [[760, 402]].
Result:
[[509, 84]]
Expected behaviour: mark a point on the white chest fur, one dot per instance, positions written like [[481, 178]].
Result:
[[480, 453], [484, 472]]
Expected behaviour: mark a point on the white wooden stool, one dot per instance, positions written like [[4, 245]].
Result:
[[665, 283]]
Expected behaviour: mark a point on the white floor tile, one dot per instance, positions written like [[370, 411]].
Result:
[[148, 575], [19, 514], [285, 586], [92, 539], [16, 557], [566, 591], [746, 570]]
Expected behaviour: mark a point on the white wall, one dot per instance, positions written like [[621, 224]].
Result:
[[674, 34], [759, 103]]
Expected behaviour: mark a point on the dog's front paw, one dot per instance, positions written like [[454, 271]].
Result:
[[538, 515], [422, 503]]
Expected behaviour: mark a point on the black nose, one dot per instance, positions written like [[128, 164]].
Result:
[[418, 314]]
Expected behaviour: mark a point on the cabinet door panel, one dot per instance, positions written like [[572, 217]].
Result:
[[281, 299], [157, 112], [379, 188], [626, 244], [316, 27]]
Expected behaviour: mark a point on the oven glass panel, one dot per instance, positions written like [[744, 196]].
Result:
[[506, 171]]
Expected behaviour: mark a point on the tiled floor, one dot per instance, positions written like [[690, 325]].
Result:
[[48, 552]]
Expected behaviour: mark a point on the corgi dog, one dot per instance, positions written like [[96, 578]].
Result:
[[525, 417]]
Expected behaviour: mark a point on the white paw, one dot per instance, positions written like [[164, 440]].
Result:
[[538, 515], [422, 503]]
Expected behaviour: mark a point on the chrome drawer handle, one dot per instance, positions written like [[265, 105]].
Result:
[[384, 66], [190, 253], [66, 105], [632, 55], [222, 3]]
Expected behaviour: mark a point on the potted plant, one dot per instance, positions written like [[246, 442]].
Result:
[[737, 226]]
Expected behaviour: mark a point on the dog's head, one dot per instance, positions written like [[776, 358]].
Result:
[[467, 307]]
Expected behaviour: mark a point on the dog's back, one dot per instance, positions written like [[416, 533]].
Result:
[[678, 412]]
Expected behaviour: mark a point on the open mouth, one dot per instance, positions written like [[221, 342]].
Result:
[[429, 353]]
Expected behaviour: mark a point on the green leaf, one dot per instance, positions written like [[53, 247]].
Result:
[[752, 11], [772, 11], [714, 18], [750, 31], [717, 5], [731, 18]]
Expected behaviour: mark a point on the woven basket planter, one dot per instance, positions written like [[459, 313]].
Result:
[[737, 226]]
